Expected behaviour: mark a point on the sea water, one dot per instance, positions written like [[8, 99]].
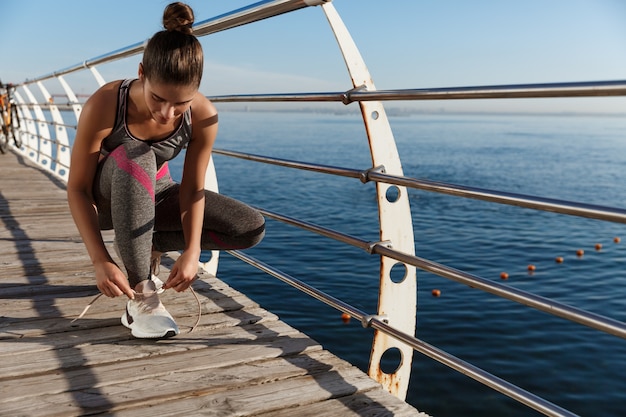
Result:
[[572, 158]]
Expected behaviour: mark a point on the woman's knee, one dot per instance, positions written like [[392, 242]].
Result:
[[246, 231], [256, 232]]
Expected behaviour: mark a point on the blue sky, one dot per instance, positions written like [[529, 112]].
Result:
[[406, 44]]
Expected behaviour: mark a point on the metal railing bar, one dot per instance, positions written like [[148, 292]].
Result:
[[596, 321], [108, 57], [591, 211], [252, 13], [326, 169], [46, 104], [255, 12], [52, 158], [306, 288], [375, 322], [504, 387], [548, 90], [573, 208], [60, 164], [53, 161], [61, 106], [50, 123], [43, 139], [580, 316], [280, 97], [323, 231]]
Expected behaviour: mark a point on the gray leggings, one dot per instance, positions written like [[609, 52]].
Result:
[[142, 206]]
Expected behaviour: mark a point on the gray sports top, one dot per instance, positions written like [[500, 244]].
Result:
[[164, 149]]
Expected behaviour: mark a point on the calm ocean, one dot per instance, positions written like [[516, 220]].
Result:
[[571, 158]]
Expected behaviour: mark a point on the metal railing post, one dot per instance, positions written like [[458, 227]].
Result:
[[397, 300], [43, 148], [28, 128], [61, 157]]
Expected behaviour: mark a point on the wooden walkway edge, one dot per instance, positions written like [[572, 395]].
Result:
[[240, 361]]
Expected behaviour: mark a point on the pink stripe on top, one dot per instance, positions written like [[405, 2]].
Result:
[[163, 171]]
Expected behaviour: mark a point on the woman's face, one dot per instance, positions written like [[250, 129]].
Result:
[[166, 102]]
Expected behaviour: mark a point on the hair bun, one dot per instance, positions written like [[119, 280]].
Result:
[[178, 17]]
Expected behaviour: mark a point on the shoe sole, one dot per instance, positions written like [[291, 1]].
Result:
[[139, 335]]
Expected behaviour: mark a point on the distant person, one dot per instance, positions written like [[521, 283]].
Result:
[[119, 177]]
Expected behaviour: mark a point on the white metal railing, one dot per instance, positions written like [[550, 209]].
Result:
[[47, 143]]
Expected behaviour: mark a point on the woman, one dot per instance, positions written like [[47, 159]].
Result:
[[119, 179]]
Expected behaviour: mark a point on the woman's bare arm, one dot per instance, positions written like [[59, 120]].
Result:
[[192, 191], [96, 122]]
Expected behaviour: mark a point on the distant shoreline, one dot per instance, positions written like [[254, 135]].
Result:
[[391, 111], [407, 112]]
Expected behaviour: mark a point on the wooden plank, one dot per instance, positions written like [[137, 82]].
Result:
[[185, 361], [264, 397], [116, 344], [232, 390], [373, 403]]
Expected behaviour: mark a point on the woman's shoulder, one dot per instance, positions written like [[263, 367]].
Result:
[[106, 93], [101, 106], [202, 108], [104, 96]]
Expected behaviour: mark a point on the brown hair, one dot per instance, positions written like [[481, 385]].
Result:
[[174, 55]]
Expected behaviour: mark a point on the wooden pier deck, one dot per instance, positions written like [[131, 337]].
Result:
[[240, 361]]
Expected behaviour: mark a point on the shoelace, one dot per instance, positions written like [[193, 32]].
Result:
[[155, 262], [88, 306]]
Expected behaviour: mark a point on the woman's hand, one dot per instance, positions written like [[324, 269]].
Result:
[[183, 272], [111, 281]]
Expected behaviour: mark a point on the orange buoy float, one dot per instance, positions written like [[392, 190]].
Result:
[[436, 292], [531, 268], [558, 260], [504, 275], [580, 253], [345, 317], [617, 239], [598, 246]]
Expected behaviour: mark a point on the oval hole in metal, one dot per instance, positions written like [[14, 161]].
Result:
[[392, 194], [375, 115], [206, 256], [391, 360], [398, 273]]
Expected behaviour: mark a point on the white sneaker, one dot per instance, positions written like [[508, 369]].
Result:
[[146, 316]]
